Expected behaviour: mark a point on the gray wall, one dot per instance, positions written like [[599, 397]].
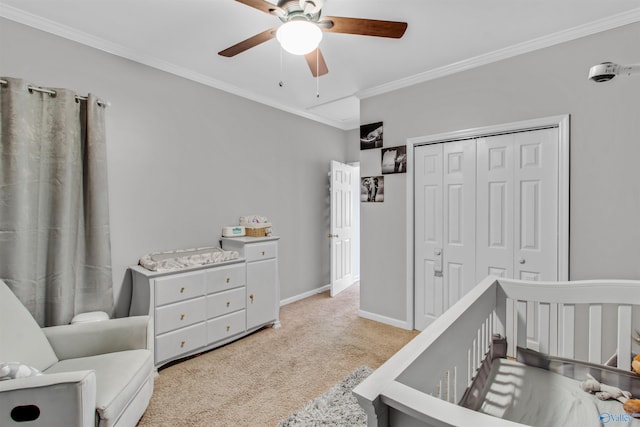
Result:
[[186, 159], [605, 153]]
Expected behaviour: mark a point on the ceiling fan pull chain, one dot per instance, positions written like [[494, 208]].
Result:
[[317, 73], [281, 83]]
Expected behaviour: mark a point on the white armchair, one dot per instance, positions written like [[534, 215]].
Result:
[[93, 374]]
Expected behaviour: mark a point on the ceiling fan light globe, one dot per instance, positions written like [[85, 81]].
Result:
[[299, 37]]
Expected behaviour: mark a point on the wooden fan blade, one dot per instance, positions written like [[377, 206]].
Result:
[[316, 63], [364, 27], [262, 5], [248, 43]]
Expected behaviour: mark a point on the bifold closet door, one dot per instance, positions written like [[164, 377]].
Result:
[[517, 205], [483, 206], [517, 208], [444, 226]]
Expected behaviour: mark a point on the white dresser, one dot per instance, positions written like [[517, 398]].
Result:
[[202, 308]]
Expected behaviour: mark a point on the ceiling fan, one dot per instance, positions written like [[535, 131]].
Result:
[[295, 12]]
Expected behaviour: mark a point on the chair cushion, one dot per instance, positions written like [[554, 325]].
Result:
[[119, 376], [21, 339]]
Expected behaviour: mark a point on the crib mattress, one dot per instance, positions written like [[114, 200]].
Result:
[[537, 397], [185, 258]]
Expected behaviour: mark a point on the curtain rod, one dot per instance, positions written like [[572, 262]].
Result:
[[53, 93]]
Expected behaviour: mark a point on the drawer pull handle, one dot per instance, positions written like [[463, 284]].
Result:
[[228, 303], [182, 316], [251, 298], [182, 343], [181, 290], [228, 327], [228, 279], [262, 253]]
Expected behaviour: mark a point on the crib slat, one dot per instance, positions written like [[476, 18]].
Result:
[[521, 331], [543, 327], [470, 370], [478, 347], [595, 333], [554, 326], [455, 381], [510, 331], [566, 341], [624, 337]]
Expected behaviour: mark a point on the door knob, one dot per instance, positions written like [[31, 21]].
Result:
[[521, 261]]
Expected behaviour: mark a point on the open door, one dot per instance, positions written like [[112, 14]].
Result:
[[342, 178]]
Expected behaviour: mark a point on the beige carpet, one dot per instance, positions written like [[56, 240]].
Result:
[[261, 379]]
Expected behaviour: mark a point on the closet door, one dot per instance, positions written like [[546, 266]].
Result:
[[495, 201], [518, 210], [444, 227], [517, 205], [536, 207], [428, 303]]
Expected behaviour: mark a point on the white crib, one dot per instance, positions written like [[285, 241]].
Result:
[[422, 384]]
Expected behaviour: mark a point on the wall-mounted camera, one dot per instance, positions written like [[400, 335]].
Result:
[[608, 70]]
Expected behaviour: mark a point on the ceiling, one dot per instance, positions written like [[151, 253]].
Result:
[[445, 36]]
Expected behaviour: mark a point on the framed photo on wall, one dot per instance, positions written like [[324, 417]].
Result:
[[371, 136], [394, 159], [372, 189]]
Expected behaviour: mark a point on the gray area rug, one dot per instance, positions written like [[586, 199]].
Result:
[[338, 407]]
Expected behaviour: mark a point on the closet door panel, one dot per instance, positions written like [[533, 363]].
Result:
[[494, 201], [536, 196], [428, 196], [458, 255], [444, 227]]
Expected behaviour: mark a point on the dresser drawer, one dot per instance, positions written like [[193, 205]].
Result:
[[179, 287], [225, 302], [181, 341], [258, 251], [226, 326], [223, 278], [179, 315]]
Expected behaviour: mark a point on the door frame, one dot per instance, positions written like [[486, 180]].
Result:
[[560, 121]]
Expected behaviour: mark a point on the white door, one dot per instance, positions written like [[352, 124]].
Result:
[[483, 206], [342, 183], [445, 230], [518, 204]]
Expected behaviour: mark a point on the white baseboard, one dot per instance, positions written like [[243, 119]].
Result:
[[386, 320], [305, 295]]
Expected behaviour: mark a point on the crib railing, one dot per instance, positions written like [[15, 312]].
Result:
[[584, 320], [436, 367], [572, 319]]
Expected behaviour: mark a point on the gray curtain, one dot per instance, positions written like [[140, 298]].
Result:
[[55, 249]]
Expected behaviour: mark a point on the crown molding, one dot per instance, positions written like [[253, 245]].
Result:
[[598, 26], [52, 27]]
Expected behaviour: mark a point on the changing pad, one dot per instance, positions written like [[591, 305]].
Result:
[[185, 258]]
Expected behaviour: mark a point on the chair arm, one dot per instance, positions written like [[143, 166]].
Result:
[[60, 399], [93, 338]]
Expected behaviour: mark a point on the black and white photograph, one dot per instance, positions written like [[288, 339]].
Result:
[[372, 189], [394, 159], [371, 136]]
